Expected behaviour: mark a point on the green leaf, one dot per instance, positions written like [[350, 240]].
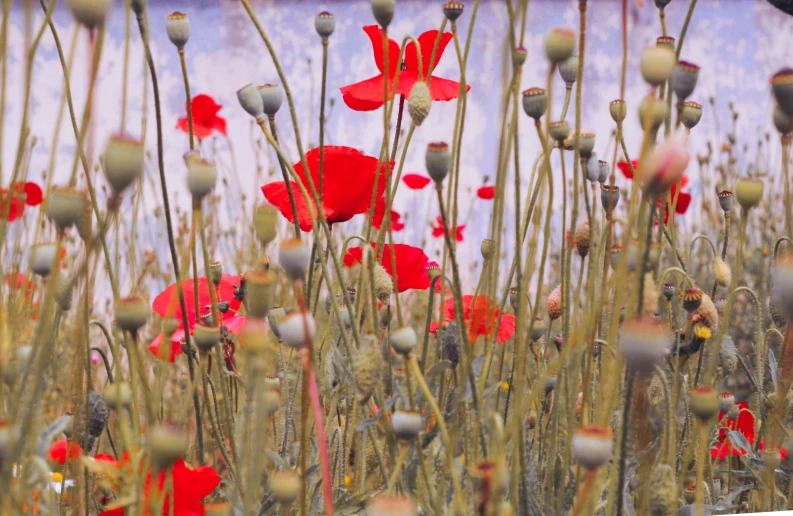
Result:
[[740, 442]]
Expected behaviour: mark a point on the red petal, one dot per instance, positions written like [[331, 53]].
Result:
[[683, 201], [176, 348], [204, 107], [434, 327], [366, 95], [416, 181], [277, 195], [379, 212], [192, 485], [427, 43], [506, 329], [411, 264], [167, 302], [219, 124], [33, 194], [62, 450], [626, 168], [376, 37], [486, 192]]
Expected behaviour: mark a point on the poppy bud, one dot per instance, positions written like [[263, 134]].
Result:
[[325, 24], [251, 100], [656, 65], [292, 329], [592, 446], [453, 10], [663, 496], [118, 395], [539, 329], [63, 293], [177, 26], [665, 42], [271, 399], [582, 239], [273, 316], [285, 486], [721, 272], [260, 291], [782, 86], [725, 200], [294, 255], [366, 368], [406, 424], [592, 167], [657, 116], [487, 248], [782, 122], [704, 402], [519, 57], [438, 159], [122, 162], [644, 342], [383, 11], [131, 313], [568, 70], [535, 102], [691, 114], [603, 174], [726, 401], [666, 164], [559, 131], [89, 12], [205, 337], [618, 110], [684, 79], [554, 303], [748, 192], [609, 197], [166, 443], [66, 206], [419, 102], [201, 175], [272, 98], [559, 44], [669, 291], [586, 142], [403, 340], [386, 505], [383, 283]]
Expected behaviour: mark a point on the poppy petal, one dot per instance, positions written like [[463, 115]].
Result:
[[366, 95], [486, 192], [277, 194], [33, 194], [683, 201], [416, 181], [426, 43], [376, 37], [62, 450]]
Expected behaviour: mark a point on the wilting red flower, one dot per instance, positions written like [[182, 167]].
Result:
[[166, 304], [205, 117], [486, 192], [481, 316], [437, 229], [368, 95], [416, 181], [744, 423], [190, 486], [411, 264], [62, 450], [626, 168], [348, 181]]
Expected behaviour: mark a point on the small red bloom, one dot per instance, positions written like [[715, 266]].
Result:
[[683, 200], [62, 450], [32, 192], [348, 181], [416, 181], [437, 229], [411, 264], [11, 206], [205, 117], [481, 316], [486, 192], [744, 424], [379, 214], [368, 95], [626, 168]]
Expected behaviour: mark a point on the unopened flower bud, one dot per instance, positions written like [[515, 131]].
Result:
[[438, 160], [251, 100], [535, 102], [272, 98], [656, 65], [721, 272], [383, 11], [366, 368], [559, 44], [325, 24], [582, 239], [419, 102], [294, 255], [131, 313], [177, 27], [122, 161]]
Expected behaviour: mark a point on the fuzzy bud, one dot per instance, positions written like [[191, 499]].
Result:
[[663, 495], [721, 272], [535, 102], [383, 11], [728, 356], [89, 12], [419, 102], [582, 239], [708, 313], [177, 27], [366, 368], [656, 65], [438, 160], [201, 175], [272, 98], [592, 446], [554, 303], [691, 114], [748, 192], [122, 162], [325, 24], [559, 44], [251, 100], [131, 313], [296, 329]]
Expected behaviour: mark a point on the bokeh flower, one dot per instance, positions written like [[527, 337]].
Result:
[[205, 118], [437, 229], [486, 192], [416, 181], [481, 317], [411, 264], [62, 450]]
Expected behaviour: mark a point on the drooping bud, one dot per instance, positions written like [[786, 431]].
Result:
[[656, 65], [272, 98], [122, 162], [438, 160], [419, 102], [559, 44], [325, 24], [177, 27], [721, 272]]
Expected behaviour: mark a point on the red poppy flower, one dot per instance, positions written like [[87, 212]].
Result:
[[416, 181], [205, 117], [166, 304], [32, 192], [368, 95], [411, 263], [437, 229], [379, 214], [348, 181], [626, 168], [486, 192], [11, 206], [190, 487], [62, 450], [480, 315], [683, 200], [744, 424]]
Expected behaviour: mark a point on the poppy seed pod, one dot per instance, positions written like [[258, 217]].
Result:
[[259, 293], [603, 175], [251, 100], [582, 239], [419, 102], [721, 272], [656, 65], [554, 303], [513, 298], [273, 316], [255, 338], [618, 110], [366, 368], [117, 395], [403, 340], [726, 401], [206, 337], [177, 26], [684, 79], [666, 164], [271, 399], [438, 160], [692, 298], [296, 329], [489, 476], [592, 446], [691, 114], [325, 24], [89, 12], [559, 131], [666, 42], [782, 122], [725, 200], [644, 342], [748, 192], [294, 255], [535, 102], [285, 486], [201, 175], [406, 424], [657, 115], [662, 3], [609, 197], [592, 168], [215, 272], [383, 11], [122, 161], [615, 251], [453, 10], [265, 219], [487, 248], [519, 57], [568, 70], [272, 382], [66, 206], [782, 86], [586, 142], [386, 505], [559, 44], [272, 98], [131, 313], [704, 402], [668, 290]]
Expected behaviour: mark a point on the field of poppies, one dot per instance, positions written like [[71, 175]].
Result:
[[313, 353]]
